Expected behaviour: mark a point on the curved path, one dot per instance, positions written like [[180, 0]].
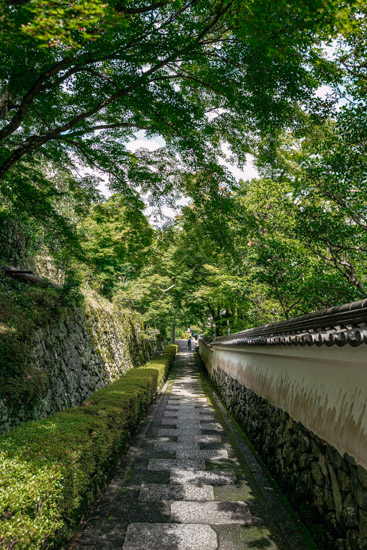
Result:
[[189, 481]]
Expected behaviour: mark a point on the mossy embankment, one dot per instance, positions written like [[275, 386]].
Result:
[[56, 351], [53, 469]]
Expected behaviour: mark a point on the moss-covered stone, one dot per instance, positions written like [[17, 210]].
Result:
[[53, 468], [55, 359]]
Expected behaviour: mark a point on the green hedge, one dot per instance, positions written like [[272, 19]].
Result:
[[51, 470]]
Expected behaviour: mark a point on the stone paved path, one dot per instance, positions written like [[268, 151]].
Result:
[[186, 485]]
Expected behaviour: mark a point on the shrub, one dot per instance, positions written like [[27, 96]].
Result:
[[51, 470]]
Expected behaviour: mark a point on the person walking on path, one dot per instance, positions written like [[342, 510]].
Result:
[[189, 343]]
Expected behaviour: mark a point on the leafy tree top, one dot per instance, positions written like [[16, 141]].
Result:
[[195, 73]]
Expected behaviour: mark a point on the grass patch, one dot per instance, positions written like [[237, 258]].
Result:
[[51, 470]]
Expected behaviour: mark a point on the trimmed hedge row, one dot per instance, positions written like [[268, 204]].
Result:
[[51, 470]]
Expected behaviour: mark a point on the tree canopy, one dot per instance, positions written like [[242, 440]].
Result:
[[79, 79]]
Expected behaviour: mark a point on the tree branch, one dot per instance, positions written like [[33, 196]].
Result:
[[109, 126], [35, 142], [213, 22], [133, 11], [29, 97]]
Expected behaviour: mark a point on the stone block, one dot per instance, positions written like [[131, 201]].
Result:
[[351, 542], [348, 458], [344, 481], [315, 449], [323, 466], [180, 421], [212, 513], [180, 431], [362, 530], [362, 476], [288, 455], [332, 522], [335, 457], [158, 464], [159, 491], [203, 438], [361, 497], [329, 499], [350, 511], [211, 426], [304, 460], [317, 474], [318, 499], [176, 446], [336, 494], [163, 536], [207, 454], [202, 477]]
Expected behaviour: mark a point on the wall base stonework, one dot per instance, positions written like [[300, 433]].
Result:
[[329, 490]]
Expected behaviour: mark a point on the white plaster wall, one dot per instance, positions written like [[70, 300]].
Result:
[[324, 388]]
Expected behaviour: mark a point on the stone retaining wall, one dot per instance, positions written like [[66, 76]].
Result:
[[76, 355], [329, 489]]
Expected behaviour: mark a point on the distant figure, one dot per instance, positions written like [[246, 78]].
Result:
[[189, 343]]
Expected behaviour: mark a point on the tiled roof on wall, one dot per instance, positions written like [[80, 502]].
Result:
[[339, 325]]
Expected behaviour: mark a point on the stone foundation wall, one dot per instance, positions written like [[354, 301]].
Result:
[[74, 356], [328, 489]]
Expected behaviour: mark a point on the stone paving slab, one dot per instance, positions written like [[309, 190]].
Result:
[[213, 426], [181, 431], [202, 477], [197, 402], [204, 424], [190, 416], [202, 438], [176, 446], [187, 411], [169, 463], [208, 454], [190, 398], [186, 388], [212, 513], [200, 408], [190, 413], [160, 491], [177, 407], [171, 422], [164, 536], [157, 438]]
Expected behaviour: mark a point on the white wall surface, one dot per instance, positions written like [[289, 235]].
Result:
[[324, 388]]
